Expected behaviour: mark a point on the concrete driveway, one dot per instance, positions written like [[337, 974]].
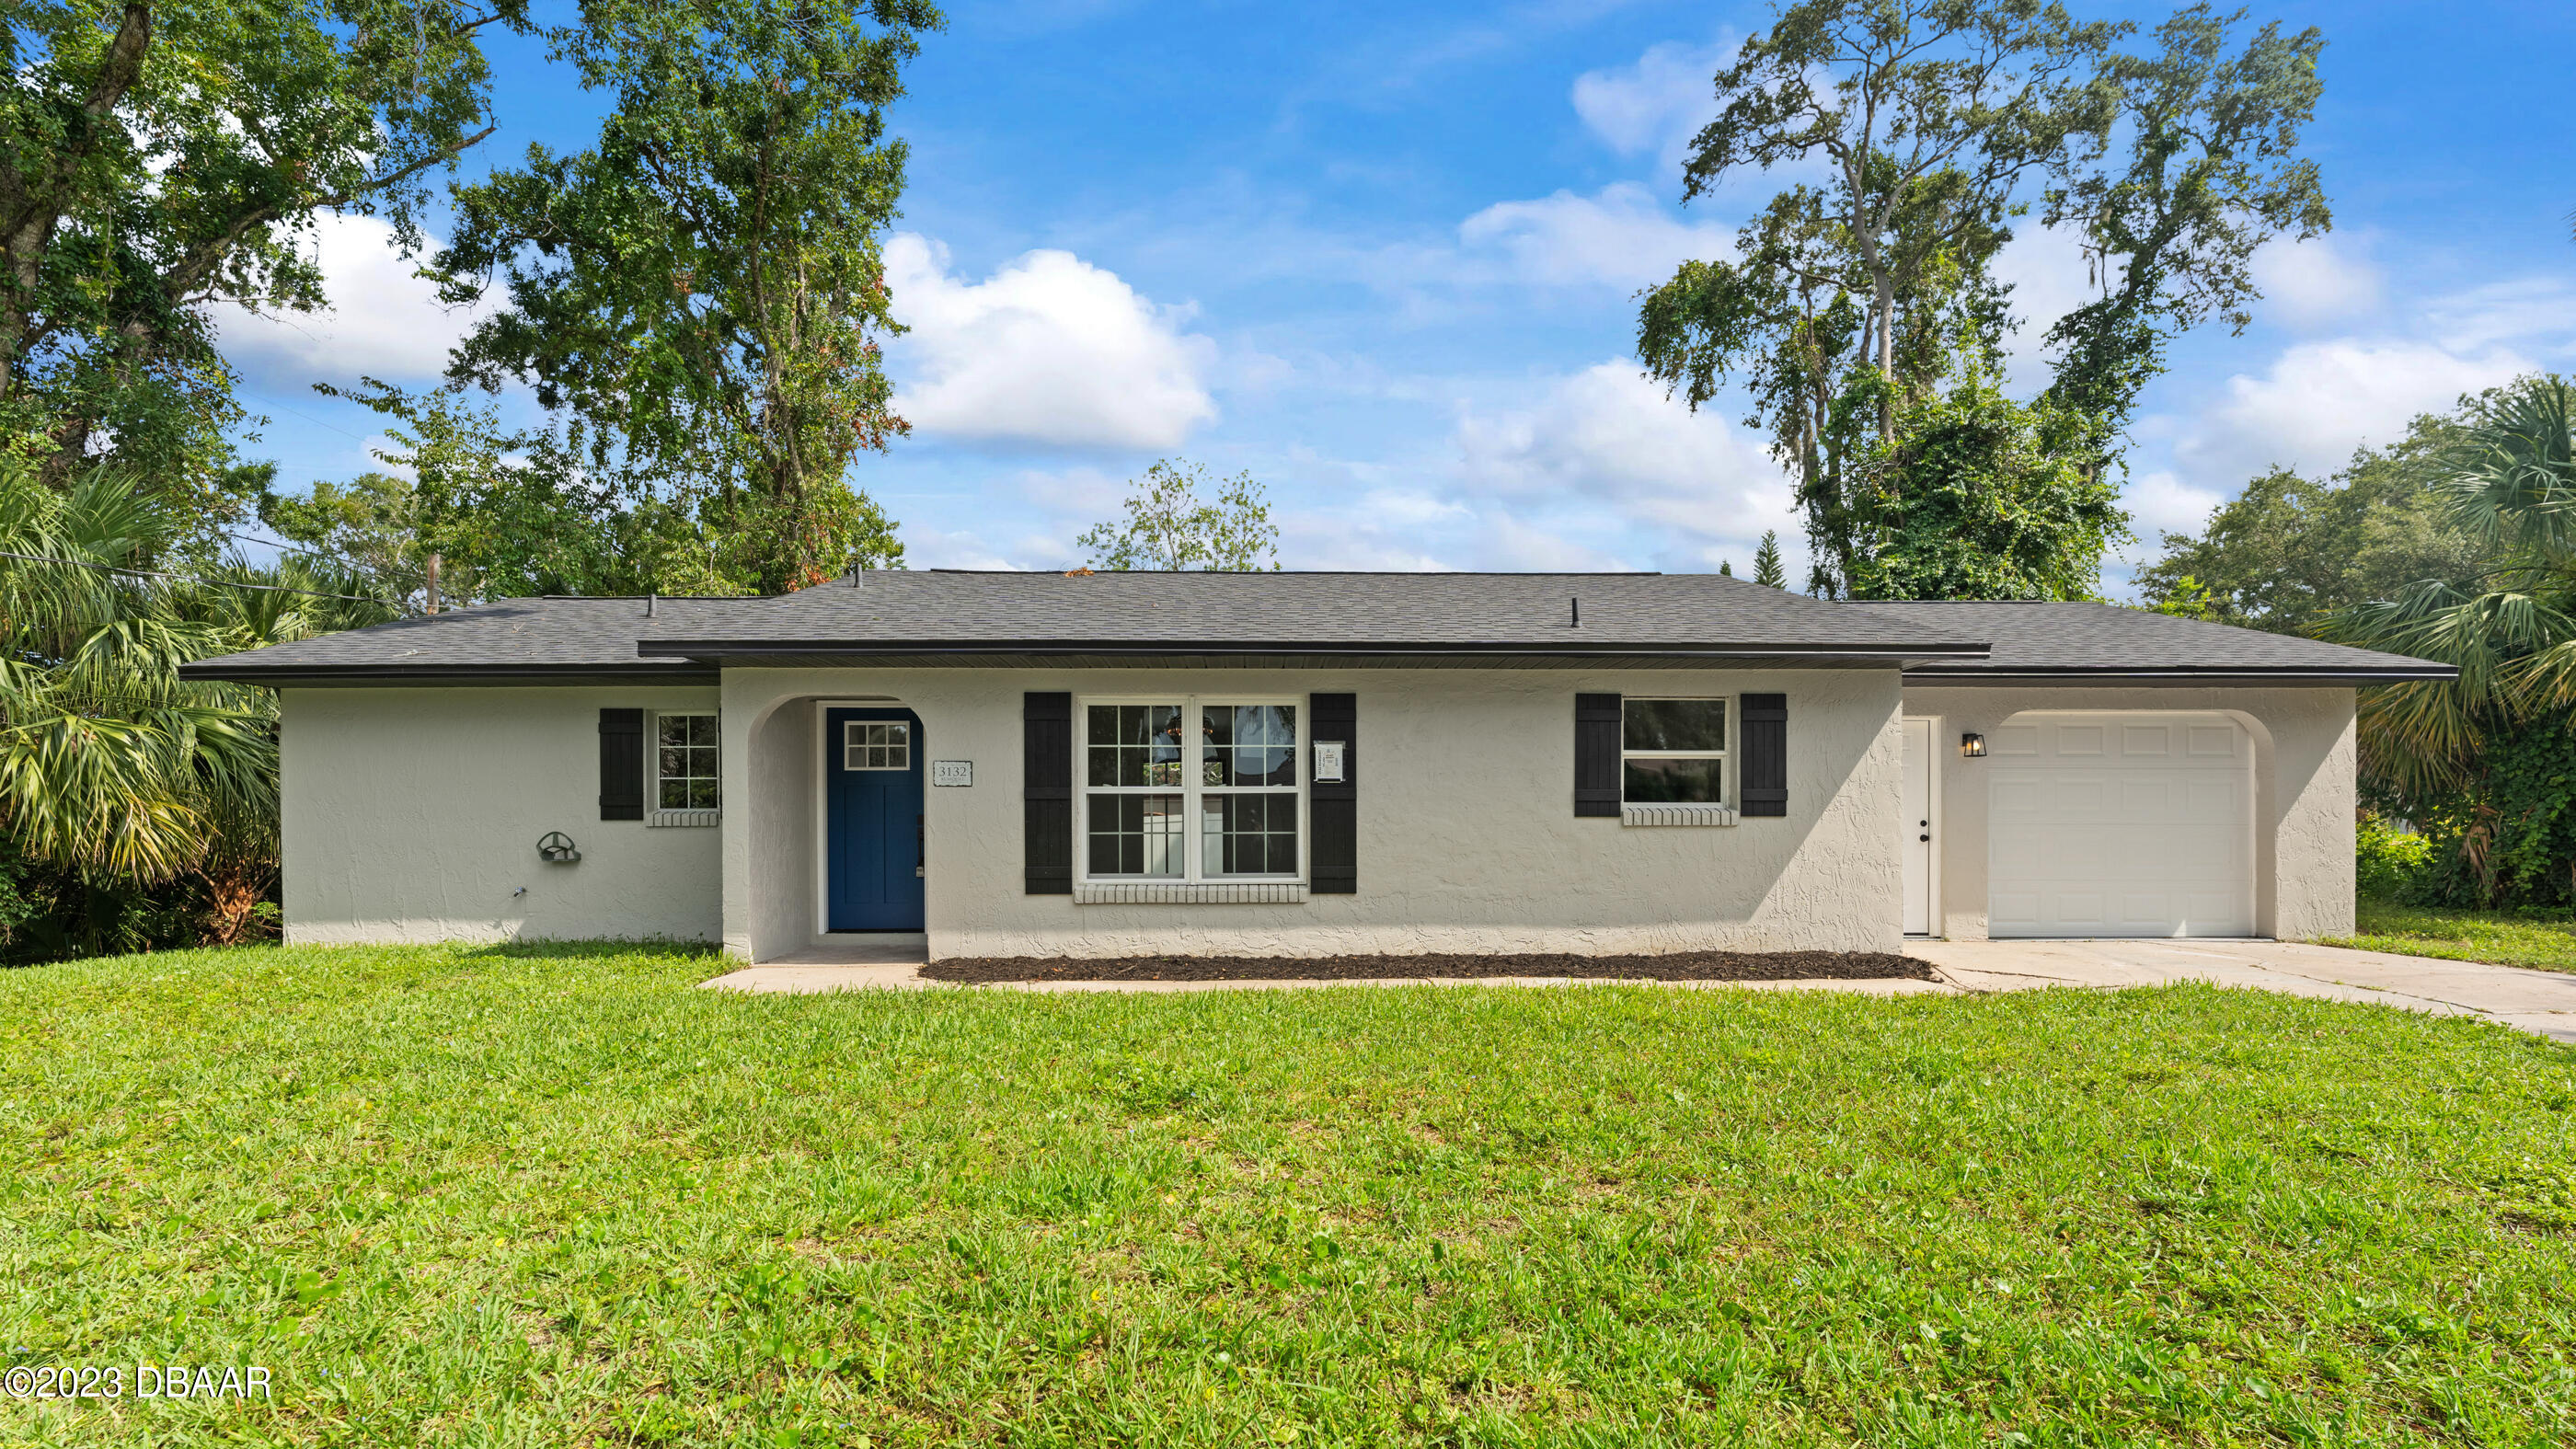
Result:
[[2534, 1001]]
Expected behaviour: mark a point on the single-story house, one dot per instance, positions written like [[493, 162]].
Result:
[[1311, 764]]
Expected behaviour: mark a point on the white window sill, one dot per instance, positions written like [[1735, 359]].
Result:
[[1677, 815], [1189, 893], [684, 817]]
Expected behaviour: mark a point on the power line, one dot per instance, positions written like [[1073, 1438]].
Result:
[[276, 544], [204, 581]]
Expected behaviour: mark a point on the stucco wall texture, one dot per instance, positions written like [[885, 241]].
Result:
[[2303, 794], [413, 814], [1467, 834]]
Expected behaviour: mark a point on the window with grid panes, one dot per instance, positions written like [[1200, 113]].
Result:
[[1150, 768], [684, 762]]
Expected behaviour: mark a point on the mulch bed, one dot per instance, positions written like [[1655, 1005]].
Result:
[[1678, 966]]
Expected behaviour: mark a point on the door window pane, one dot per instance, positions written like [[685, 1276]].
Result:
[[876, 745]]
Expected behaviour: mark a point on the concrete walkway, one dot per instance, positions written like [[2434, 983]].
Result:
[[2543, 1002], [2535, 1001]]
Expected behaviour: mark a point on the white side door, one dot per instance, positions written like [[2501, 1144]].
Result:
[[1914, 819], [2120, 824]]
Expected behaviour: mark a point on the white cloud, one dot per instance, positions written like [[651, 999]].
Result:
[[2050, 278], [2161, 503], [1048, 350], [1619, 238], [1657, 103], [2321, 400], [2316, 284], [2536, 308], [1604, 450], [384, 321]]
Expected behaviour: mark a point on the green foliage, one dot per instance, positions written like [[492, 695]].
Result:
[[117, 777], [159, 162], [2508, 485], [1173, 523], [1971, 501], [1767, 568], [557, 1196], [370, 526], [1850, 301], [2289, 550], [2388, 861], [697, 299], [2505, 835], [2214, 171], [2189, 598]]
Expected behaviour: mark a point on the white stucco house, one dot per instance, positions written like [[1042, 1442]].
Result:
[[1311, 764]]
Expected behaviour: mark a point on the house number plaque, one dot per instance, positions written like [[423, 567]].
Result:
[[952, 772]]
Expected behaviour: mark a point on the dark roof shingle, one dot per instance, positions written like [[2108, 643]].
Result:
[[1280, 617]]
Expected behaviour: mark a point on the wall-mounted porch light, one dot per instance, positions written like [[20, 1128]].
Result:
[[1972, 746]]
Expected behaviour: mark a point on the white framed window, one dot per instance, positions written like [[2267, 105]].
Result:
[[686, 772], [1192, 788], [1673, 752], [876, 744]]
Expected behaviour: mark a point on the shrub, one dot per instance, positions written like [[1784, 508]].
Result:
[[2391, 861], [2506, 837]]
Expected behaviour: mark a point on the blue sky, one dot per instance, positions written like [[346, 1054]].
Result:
[[1383, 256]]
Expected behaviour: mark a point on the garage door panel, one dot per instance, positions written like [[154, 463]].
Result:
[[2018, 796], [2080, 797], [2012, 913], [2153, 839], [2137, 741]]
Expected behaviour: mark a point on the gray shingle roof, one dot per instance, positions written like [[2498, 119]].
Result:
[[2065, 638], [1004, 618], [1339, 611]]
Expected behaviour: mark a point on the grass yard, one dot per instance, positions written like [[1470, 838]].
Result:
[[497, 1198], [2499, 936]]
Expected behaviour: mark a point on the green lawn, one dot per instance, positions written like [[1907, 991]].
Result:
[[2498, 936], [478, 1198]]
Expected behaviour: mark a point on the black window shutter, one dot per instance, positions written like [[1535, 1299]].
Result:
[[621, 764], [1596, 754], [1333, 857], [1046, 792], [1764, 776]]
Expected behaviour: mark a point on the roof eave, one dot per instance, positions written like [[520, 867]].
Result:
[[788, 650], [281, 675], [2317, 676]]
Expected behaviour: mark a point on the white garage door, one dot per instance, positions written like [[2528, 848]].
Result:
[[2120, 825]]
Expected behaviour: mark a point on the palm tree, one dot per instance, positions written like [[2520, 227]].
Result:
[[112, 768], [2513, 487]]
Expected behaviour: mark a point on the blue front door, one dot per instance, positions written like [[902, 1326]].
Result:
[[872, 799]]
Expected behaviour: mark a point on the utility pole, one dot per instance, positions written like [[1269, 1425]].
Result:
[[433, 583]]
